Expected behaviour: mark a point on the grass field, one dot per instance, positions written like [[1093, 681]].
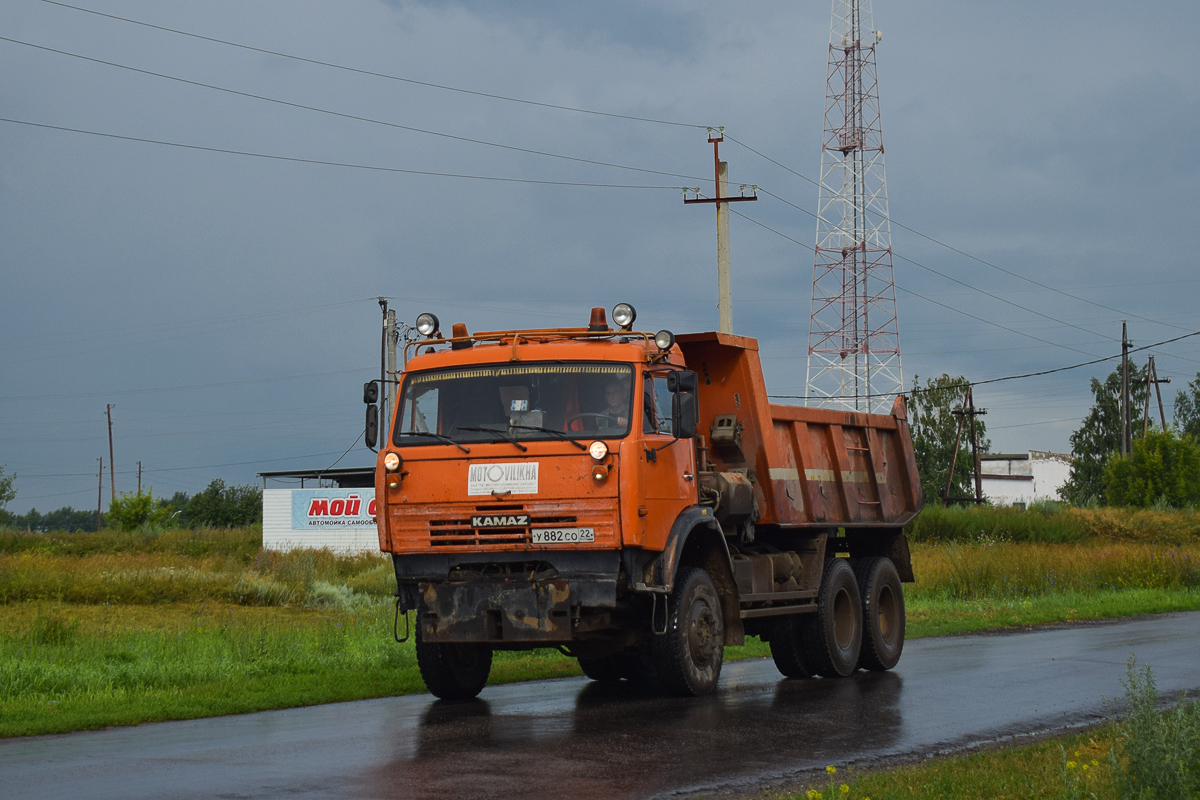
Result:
[[102, 629]]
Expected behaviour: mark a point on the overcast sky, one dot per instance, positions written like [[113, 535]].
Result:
[[224, 304]]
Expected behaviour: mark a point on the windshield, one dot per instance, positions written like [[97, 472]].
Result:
[[515, 401]]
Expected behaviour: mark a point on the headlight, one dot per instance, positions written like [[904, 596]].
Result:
[[427, 324], [391, 462], [598, 450], [623, 315], [664, 340]]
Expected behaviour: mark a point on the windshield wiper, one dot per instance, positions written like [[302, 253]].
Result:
[[437, 436], [501, 434], [559, 434]]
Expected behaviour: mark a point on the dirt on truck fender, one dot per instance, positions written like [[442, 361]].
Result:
[[635, 500]]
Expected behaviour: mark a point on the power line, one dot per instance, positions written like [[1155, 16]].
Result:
[[374, 74], [180, 388], [343, 115], [951, 278], [574, 109], [332, 163], [923, 297], [1039, 373], [952, 248]]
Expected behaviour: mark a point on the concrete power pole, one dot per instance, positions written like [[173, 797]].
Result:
[[393, 380], [721, 185], [112, 464], [99, 493], [1125, 422], [724, 287]]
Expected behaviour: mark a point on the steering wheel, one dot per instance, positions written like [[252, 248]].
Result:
[[612, 422]]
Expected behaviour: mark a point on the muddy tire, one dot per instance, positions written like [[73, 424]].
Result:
[[883, 613], [454, 671], [833, 636], [688, 657], [787, 647], [609, 669]]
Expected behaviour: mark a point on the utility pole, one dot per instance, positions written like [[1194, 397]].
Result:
[[393, 381], [722, 198], [967, 409], [1153, 379], [139, 477], [99, 493], [112, 464], [1125, 424]]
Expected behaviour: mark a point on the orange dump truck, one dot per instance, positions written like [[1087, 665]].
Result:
[[635, 500]]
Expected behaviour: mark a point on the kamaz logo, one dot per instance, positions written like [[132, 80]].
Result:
[[500, 521]]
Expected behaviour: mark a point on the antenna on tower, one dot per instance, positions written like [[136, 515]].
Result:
[[853, 336]]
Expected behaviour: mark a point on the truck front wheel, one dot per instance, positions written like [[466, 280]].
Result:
[[454, 671], [833, 636], [689, 655], [883, 613]]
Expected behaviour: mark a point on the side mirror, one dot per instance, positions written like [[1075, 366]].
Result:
[[372, 431], [371, 392], [682, 380], [683, 413]]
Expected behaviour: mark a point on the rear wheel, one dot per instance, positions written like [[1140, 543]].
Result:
[[883, 613], [787, 647], [688, 657], [832, 637], [454, 671]]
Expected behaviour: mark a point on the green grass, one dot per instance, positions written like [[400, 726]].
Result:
[[108, 628]]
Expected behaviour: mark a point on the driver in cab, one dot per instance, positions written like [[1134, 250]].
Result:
[[616, 412]]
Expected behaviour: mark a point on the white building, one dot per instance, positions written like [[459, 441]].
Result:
[[1021, 478], [333, 509]]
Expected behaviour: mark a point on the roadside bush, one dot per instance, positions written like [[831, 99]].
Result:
[[993, 524], [1157, 754], [1163, 471], [129, 512], [221, 506]]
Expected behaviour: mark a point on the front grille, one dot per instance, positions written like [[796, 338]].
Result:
[[458, 531]]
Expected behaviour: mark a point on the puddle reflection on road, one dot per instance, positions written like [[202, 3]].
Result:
[[616, 740]]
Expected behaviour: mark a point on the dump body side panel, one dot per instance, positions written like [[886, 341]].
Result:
[[810, 466]]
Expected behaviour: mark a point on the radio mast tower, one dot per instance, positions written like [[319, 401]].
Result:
[[853, 338]]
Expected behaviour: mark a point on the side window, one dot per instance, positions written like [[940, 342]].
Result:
[[661, 398]]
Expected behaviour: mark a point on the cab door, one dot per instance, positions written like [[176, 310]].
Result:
[[668, 465]]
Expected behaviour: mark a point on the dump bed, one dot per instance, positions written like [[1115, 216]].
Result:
[[810, 466]]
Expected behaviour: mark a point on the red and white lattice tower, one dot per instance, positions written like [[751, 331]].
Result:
[[853, 338]]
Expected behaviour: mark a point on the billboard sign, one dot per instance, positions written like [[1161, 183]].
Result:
[[333, 508]]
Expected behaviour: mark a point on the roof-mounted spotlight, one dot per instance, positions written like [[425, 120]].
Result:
[[623, 315], [427, 326], [665, 340]]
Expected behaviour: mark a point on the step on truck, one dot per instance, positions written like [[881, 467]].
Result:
[[635, 501]]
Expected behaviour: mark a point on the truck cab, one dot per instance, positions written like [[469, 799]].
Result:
[[551, 488]]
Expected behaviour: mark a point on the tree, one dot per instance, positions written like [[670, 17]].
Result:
[[1187, 408], [1164, 466], [221, 506], [7, 492], [131, 511], [1100, 434], [934, 425]]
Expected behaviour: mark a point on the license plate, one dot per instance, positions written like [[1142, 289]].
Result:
[[563, 535]]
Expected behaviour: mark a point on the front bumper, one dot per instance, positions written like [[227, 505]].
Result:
[[505, 598]]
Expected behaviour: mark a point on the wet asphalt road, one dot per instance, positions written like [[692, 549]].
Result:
[[571, 738]]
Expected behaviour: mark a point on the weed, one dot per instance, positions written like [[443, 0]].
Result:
[[1158, 753]]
